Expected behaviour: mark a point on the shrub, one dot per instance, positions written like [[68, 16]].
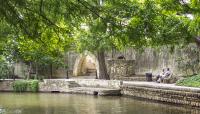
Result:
[[26, 85], [4, 68], [193, 81], [20, 86], [33, 85]]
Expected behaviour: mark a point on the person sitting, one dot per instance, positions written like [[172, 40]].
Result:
[[158, 77], [163, 75]]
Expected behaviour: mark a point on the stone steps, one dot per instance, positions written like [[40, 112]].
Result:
[[73, 84], [93, 90], [84, 87]]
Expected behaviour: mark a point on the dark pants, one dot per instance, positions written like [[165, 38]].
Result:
[[159, 78]]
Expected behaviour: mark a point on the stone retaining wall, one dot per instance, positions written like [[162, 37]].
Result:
[[63, 85], [98, 83], [147, 90], [6, 85], [49, 85], [178, 96], [56, 85]]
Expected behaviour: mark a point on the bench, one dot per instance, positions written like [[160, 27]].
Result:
[[170, 79]]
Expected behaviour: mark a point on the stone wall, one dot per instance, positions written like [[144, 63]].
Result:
[[19, 69], [147, 90], [59, 85], [62, 85], [6, 85], [45, 71], [71, 59], [98, 83], [181, 95], [154, 60], [148, 60], [120, 68]]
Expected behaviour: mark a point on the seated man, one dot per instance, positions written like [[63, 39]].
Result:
[[158, 77], [163, 75]]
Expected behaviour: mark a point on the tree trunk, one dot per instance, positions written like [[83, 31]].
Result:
[[51, 71], [29, 70], [66, 63], [36, 70], [102, 65]]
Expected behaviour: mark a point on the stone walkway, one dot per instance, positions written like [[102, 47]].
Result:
[[161, 86]]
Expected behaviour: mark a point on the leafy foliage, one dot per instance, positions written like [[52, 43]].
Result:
[[189, 62], [193, 81], [33, 85], [20, 86], [5, 68], [119, 23], [26, 85], [134, 23], [39, 31], [36, 32]]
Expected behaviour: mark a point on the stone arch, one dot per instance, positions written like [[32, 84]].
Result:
[[78, 69]]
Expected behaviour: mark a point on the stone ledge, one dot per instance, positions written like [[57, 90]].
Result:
[[163, 92], [148, 90], [98, 83], [160, 86], [95, 91]]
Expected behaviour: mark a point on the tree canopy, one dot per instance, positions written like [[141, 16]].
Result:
[[117, 22], [39, 29]]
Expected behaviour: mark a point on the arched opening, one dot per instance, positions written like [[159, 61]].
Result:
[[86, 64]]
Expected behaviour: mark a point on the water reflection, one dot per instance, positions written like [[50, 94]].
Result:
[[27, 103]]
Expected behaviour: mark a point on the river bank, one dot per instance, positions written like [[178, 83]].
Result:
[[148, 90]]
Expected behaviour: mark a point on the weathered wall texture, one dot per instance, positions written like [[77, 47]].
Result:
[[6, 85], [118, 68], [152, 91], [63, 85], [154, 60], [148, 60], [98, 83], [84, 64], [60, 72], [20, 69], [180, 95]]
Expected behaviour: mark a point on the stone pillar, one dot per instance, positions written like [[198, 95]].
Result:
[[119, 68]]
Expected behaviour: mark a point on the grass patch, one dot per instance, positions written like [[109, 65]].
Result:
[[192, 81], [26, 85]]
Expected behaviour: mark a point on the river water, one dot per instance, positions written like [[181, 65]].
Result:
[[46, 103]]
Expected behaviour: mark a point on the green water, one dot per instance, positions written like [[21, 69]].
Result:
[[27, 103]]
